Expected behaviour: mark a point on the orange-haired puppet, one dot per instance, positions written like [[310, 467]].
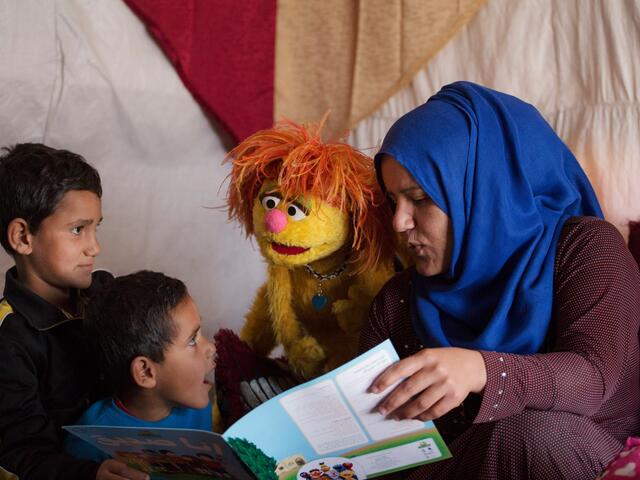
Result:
[[321, 222]]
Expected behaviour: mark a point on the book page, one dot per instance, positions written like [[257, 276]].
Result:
[[354, 383], [332, 417], [323, 417]]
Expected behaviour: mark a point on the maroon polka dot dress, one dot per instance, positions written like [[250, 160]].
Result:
[[563, 413]]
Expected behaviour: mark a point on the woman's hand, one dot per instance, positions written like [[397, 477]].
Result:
[[432, 382], [115, 470]]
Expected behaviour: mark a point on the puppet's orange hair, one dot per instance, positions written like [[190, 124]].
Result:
[[295, 157]]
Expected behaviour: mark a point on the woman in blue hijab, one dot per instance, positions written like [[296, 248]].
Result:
[[518, 324]]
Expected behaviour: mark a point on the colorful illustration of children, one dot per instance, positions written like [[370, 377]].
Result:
[[134, 460], [348, 474], [196, 465], [212, 464], [329, 472], [174, 461], [152, 458], [315, 473]]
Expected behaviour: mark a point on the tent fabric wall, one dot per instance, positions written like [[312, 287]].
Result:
[[86, 75], [350, 57], [326, 54], [574, 60], [224, 53]]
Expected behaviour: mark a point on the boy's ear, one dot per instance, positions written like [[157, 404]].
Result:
[[143, 372], [19, 236]]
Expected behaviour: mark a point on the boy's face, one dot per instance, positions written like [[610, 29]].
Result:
[[64, 248], [184, 376]]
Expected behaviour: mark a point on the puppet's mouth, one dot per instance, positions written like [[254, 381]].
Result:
[[287, 250]]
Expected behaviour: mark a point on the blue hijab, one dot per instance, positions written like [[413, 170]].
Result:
[[508, 184]]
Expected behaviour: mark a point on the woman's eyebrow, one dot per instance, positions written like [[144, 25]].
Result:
[[411, 189]]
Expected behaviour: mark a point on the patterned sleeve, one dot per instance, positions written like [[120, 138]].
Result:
[[593, 352]]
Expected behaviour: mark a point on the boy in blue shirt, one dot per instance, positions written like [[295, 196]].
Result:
[[145, 331], [50, 208]]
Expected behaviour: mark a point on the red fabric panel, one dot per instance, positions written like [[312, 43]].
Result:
[[224, 51]]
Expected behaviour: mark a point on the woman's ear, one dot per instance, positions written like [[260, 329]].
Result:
[[19, 236], [143, 372]]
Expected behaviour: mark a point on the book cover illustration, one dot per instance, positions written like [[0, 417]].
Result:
[[167, 453]]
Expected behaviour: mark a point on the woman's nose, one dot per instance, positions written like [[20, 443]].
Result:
[[402, 220], [275, 221]]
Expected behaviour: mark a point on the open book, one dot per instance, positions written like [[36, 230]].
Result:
[[323, 429]]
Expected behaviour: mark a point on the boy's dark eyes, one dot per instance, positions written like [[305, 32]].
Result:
[[77, 230]]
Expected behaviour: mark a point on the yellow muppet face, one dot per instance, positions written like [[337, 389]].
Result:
[[297, 231]]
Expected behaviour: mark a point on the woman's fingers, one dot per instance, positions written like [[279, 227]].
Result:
[[422, 403], [398, 371], [404, 393], [439, 408], [430, 382], [418, 374]]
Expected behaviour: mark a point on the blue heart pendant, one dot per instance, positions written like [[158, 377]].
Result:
[[318, 301]]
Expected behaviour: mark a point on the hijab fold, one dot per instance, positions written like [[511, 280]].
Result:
[[508, 184]]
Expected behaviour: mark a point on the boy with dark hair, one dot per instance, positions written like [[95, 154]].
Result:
[[145, 331], [50, 208]]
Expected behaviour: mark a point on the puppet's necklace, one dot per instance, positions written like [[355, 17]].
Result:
[[319, 300]]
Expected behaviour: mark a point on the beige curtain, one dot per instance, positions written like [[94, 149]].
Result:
[[350, 56]]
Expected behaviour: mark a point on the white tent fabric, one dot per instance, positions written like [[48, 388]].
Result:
[[575, 60], [85, 75]]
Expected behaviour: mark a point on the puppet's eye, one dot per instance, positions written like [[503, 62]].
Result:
[[295, 212], [270, 202]]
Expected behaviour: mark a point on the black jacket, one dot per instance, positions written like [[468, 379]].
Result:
[[45, 379]]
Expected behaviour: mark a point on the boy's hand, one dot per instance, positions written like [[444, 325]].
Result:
[[115, 470]]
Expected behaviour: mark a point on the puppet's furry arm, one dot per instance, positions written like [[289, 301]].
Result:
[[257, 331], [304, 352], [352, 312]]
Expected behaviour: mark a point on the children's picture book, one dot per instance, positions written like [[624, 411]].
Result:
[[324, 429]]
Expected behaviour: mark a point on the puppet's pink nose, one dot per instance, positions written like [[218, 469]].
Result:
[[275, 220]]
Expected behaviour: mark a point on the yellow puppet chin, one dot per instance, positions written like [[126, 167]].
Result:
[[300, 231]]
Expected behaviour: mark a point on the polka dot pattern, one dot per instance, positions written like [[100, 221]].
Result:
[[565, 412]]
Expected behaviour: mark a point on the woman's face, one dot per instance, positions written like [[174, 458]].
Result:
[[426, 228]]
